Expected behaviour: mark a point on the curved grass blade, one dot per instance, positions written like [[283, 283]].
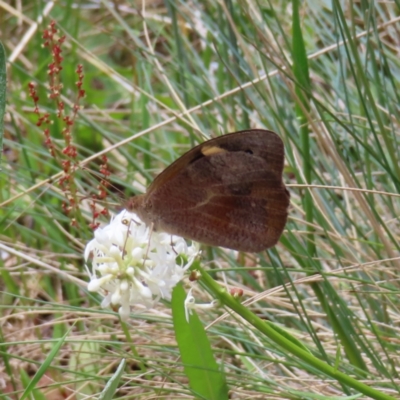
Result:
[[43, 368], [112, 385]]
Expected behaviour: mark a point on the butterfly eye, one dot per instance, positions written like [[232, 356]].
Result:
[[125, 222]]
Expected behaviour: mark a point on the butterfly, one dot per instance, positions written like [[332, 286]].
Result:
[[226, 192]]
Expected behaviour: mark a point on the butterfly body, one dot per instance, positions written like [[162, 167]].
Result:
[[225, 192]]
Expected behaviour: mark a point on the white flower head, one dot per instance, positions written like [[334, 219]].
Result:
[[130, 266]]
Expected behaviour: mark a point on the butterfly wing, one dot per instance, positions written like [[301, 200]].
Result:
[[225, 192]]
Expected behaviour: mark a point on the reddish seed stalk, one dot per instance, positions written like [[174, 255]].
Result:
[[67, 157]]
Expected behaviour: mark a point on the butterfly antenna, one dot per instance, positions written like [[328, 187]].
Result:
[[172, 245]]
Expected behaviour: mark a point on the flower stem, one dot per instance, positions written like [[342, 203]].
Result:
[[285, 341]]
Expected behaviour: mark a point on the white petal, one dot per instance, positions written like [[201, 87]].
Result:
[[124, 312], [94, 285]]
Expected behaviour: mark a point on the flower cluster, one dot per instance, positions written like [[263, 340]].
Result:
[[132, 265]]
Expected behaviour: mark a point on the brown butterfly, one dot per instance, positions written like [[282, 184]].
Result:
[[225, 192]]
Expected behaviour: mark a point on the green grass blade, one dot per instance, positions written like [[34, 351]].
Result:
[[44, 367], [3, 84], [112, 385], [303, 90]]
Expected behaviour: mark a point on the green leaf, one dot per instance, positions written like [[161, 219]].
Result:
[[205, 377]]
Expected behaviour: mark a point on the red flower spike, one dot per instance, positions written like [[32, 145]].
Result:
[[68, 155]]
